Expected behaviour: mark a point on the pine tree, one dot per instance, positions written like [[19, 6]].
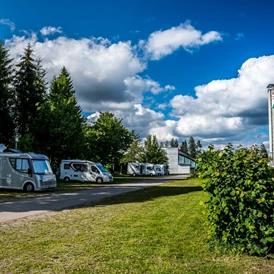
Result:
[[263, 151], [198, 148], [192, 147], [30, 92], [184, 147], [6, 121], [172, 143], [176, 144], [60, 125]]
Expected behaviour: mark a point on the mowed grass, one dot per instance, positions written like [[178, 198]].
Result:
[[155, 230]]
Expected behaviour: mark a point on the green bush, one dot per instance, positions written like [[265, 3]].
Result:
[[240, 207]]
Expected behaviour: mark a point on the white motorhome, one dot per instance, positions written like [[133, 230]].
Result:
[[136, 169], [83, 170], [160, 169], [26, 171]]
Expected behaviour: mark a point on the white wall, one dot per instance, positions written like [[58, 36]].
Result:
[[173, 166]]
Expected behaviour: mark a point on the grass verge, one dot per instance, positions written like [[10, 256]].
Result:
[[159, 230]]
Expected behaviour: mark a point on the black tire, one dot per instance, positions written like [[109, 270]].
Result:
[[133, 174], [151, 174], [29, 187], [66, 179], [99, 180]]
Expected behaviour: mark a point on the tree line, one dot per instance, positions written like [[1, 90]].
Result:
[[46, 118], [191, 148]]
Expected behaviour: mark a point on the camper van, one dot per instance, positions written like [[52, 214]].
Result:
[[83, 170], [26, 171], [136, 169]]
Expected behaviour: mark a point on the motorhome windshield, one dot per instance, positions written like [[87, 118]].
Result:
[[101, 167], [41, 167]]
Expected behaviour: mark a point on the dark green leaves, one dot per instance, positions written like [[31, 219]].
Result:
[[240, 207]]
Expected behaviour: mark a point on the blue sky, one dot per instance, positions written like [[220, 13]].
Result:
[[171, 68]]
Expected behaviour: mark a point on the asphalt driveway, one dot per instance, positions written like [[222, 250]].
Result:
[[40, 206]]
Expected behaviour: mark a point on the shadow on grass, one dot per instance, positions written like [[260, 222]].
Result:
[[101, 196], [148, 194]]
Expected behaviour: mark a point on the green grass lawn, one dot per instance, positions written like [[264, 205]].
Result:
[[155, 230]]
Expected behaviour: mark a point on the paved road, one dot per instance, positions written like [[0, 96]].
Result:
[[13, 210]]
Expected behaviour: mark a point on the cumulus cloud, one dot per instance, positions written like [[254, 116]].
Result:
[[226, 110], [162, 43], [50, 30], [105, 75], [7, 22]]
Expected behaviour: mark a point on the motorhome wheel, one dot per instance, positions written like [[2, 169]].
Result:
[[66, 179], [29, 187], [99, 180]]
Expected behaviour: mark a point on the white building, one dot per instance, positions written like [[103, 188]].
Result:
[[178, 161], [270, 89]]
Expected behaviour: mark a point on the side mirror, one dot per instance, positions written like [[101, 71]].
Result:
[[29, 171]]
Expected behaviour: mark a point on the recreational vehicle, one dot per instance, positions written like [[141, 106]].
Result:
[[136, 169], [83, 170], [26, 171], [161, 170]]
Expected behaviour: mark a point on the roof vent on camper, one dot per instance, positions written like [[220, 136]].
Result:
[[2, 147]]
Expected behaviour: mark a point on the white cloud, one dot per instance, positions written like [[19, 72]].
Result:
[[239, 36], [226, 110], [7, 22], [50, 30], [162, 43]]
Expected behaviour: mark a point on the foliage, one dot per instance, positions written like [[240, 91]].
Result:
[[6, 121], [108, 140], [134, 152], [29, 91], [59, 131], [192, 147], [240, 208], [184, 147], [153, 153], [263, 151]]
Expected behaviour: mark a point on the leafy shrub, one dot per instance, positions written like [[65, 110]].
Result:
[[240, 207]]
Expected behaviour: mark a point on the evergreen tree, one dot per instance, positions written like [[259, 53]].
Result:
[[172, 143], [184, 147], [29, 91], [6, 121], [153, 153], [192, 147], [263, 151], [166, 144], [198, 148], [60, 126], [176, 144]]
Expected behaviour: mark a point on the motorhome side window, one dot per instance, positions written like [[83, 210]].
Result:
[[66, 166], [21, 165], [94, 169]]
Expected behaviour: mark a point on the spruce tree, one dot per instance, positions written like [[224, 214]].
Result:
[[263, 151], [176, 144], [6, 120], [184, 147], [29, 90], [60, 125], [192, 147]]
